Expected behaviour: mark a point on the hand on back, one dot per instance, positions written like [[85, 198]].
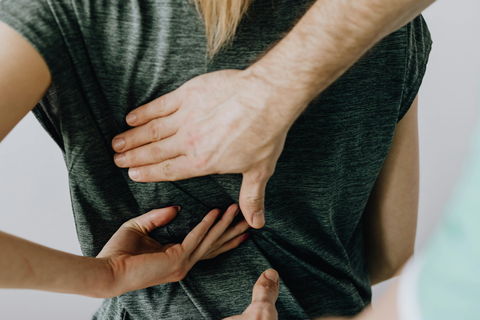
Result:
[[216, 123], [137, 261]]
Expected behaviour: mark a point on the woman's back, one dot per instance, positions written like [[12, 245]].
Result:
[[108, 57]]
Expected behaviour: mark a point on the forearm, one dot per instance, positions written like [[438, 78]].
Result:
[[329, 38], [26, 265]]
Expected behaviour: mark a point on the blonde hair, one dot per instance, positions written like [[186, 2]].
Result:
[[221, 18]]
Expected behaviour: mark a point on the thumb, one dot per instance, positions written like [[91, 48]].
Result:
[[252, 198], [266, 288], [149, 221]]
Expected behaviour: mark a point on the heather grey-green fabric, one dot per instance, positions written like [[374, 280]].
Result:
[[108, 57]]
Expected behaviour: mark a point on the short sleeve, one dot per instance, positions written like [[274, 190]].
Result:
[[419, 44], [444, 282], [35, 21]]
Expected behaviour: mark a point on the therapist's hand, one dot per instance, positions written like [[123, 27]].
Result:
[[265, 294], [137, 261], [222, 122]]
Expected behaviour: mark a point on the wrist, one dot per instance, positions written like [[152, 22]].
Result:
[[95, 279], [283, 99], [104, 283]]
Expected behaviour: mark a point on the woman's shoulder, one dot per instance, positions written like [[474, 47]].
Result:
[[36, 22]]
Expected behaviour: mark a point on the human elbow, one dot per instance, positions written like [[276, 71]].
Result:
[[389, 266]]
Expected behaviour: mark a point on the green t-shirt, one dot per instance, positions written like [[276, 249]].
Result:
[[448, 285], [108, 57]]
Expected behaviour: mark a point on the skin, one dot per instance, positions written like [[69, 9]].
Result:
[[390, 216], [331, 36], [130, 260], [391, 219], [265, 294], [199, 128]]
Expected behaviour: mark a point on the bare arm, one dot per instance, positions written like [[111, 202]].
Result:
[[328, 40], [24, 78], [390, 217], [131, 260]]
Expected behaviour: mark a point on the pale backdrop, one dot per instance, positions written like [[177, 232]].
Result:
[[34, 198]]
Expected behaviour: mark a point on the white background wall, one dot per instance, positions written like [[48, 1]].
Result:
[[34, 198], [448, 109]]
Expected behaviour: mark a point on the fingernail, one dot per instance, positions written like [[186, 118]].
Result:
[[134, 173], [131, 118], [258, 219], [176, 207], [236, 213], [271, 275], [245, 237], [119, 159], [118, 144]]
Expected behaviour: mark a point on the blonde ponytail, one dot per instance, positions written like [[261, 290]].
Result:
[[221, 19]]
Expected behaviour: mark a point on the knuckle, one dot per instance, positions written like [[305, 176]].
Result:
[[262, 176], [160, 106], [255, 200], [262, 310], [265, 309], [195, 232], [268, 287], [130, 157], [179, 272], [211, 248], [156, 153], [198, 232], [128, 224], [168, 170], [145, 173], [132, 224], [130, 141], [270, 312], [209, 218], [239, 228], [153, 128]]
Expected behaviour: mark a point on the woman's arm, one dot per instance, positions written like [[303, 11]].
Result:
[[27, 265], [131, 260], [390, 217], [24, 78]]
